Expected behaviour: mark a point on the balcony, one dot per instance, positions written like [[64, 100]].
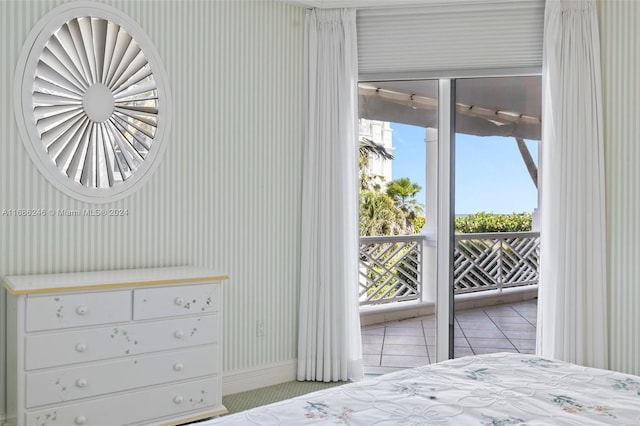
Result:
[[396, 345], [495, 261], [495, 287]]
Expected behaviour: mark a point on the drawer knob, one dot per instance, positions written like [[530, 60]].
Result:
[[179, 334], [178, 366], [178, 301], [80, 420], [178, 399], [81, 347], [82, 310], [81, 383]]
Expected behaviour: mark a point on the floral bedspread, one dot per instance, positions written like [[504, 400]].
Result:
[[495, 389]]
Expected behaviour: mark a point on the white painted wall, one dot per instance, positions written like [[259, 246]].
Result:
[[227, 192]]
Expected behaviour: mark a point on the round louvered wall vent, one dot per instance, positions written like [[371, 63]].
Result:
[[92, 102]]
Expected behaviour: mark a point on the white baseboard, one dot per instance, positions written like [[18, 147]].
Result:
[[370, 315], [494, 297], [259, 377]]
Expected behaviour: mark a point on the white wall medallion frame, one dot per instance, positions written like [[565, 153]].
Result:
[[92, 101]]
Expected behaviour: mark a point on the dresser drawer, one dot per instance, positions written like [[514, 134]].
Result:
[[70, 347], [162, 302], [135, 407], [75, 310], [68, 384]]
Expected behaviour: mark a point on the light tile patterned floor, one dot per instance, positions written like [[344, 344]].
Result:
[[411, 343]]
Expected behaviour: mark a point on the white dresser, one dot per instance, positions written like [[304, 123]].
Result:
[[114, 348]]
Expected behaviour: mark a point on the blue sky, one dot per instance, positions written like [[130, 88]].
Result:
[[490, 173]]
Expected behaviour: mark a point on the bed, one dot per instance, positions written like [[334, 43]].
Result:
[[495, 389]]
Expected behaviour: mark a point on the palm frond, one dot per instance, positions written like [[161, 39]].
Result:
[[367, 146]]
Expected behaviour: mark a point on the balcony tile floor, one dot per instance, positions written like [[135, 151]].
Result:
[[412, 342]]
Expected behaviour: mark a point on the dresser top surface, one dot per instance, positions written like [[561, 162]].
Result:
[[118, 278]]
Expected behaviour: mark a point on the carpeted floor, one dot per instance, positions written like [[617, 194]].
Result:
[[255, 398]]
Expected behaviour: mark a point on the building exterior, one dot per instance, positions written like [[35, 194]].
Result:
[[379, 132]]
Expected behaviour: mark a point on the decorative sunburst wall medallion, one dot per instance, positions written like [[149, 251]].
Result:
[[92, 102]]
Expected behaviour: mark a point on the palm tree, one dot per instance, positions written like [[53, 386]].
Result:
[[369, 147], [402, 191], [378, 215]]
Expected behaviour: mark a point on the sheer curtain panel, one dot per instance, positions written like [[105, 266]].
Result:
[[572, 307], [329, 344]]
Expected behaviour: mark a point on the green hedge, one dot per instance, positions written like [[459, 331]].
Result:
[[490, 222]]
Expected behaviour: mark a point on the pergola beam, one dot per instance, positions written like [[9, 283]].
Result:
[[528, 160]]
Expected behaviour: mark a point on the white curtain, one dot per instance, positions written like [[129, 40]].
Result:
[[329, 344], [572, 307]]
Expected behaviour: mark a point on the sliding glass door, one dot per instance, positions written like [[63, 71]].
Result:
[[496, 240], [449, 244], [398, 222]]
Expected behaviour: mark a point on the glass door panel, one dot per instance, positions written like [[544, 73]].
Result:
[[495, 254], [398, 226]]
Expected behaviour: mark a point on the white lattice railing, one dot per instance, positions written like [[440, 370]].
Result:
[[495, 260], [390, 268]]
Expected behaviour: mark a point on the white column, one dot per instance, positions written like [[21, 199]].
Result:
[[443, 248], [430, 229]]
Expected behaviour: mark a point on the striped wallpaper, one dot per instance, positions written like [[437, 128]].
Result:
[[227, 192], [619, 35]]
